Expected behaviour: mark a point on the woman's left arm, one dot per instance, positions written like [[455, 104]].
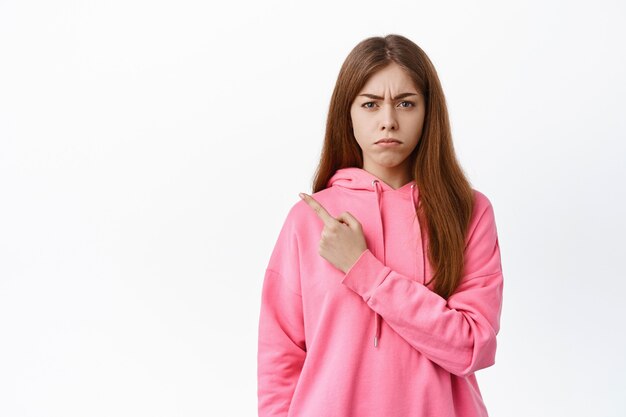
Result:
[[458, 334]]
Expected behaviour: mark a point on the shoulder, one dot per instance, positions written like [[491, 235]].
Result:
[[482, 220], [482, 205], [481, 201]]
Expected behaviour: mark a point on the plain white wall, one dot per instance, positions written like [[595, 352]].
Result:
[[150, 150]]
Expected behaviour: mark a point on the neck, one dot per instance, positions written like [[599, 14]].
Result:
[[395, 177]]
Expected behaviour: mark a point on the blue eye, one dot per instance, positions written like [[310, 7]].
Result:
[[410, 102], [365, 104]]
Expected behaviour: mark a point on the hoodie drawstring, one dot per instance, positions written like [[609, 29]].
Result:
[[376, 315], [375, 184]]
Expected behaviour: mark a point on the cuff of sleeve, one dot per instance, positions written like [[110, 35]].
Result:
[[367, 273]]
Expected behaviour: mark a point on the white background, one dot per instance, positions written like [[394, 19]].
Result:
[[150, 151]]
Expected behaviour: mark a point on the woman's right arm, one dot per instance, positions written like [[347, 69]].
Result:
[[281, 338]]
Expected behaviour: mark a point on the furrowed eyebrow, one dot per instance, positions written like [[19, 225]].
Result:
[[399, 96]]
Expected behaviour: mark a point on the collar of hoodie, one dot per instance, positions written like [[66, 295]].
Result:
[[359, 179]]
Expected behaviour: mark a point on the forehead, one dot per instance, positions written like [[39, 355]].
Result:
[[391, 78]]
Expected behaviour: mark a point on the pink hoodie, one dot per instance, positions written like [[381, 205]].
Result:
[[375, 341]]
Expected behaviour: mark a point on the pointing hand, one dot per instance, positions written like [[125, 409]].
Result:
[[342, 241]]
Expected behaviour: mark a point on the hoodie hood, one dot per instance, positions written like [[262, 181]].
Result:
[[359, 179], [355, 178]]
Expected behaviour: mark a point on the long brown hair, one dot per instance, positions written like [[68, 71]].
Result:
[[446, 197]]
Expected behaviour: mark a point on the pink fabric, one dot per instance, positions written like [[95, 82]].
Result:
[[316, 350]]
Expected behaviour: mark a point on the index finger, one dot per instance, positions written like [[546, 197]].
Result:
[[319, 209]]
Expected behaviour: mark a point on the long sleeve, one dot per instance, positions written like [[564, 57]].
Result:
[[458, 334], [281, 337]]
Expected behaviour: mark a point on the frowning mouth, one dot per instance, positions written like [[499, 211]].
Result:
[[388, 142]]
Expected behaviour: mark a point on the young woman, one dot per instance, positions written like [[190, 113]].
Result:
[[383, 293]]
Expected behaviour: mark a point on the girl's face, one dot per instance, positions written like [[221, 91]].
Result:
[[388, 106]]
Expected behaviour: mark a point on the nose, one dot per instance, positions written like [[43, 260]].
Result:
[[389, 120]]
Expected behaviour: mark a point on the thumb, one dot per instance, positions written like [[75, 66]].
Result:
[[349, 219]]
